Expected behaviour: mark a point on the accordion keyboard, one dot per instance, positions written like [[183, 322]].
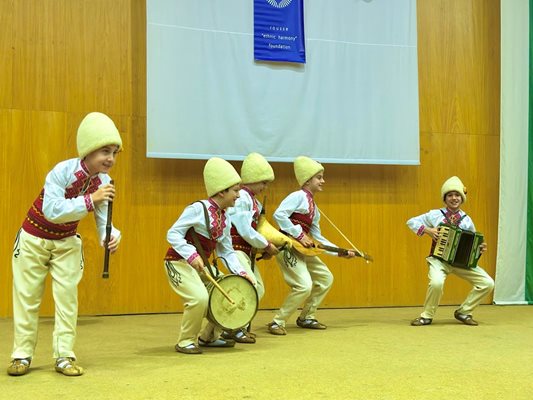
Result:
[[459, 248], [444, 242]]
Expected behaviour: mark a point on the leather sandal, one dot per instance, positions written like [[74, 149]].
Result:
[[251, 334], [67, 366], [465, 318], [220, 342], [189, 349], [243, 337], [240, 336], [310, 323], [19, 366], [276, 329], [421, 321]]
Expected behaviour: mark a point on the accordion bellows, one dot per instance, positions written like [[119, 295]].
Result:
[[458, 247]]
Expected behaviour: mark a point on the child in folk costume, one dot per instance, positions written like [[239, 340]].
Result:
[[308, 277], [48, 243], [453, 193], [184, 260], [256, 173]]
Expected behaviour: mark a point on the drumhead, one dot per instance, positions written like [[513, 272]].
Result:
[[233, 316]]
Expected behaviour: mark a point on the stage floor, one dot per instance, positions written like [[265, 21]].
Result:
[[367, 353]]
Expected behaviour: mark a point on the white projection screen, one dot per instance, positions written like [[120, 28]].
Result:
[[355, 101]]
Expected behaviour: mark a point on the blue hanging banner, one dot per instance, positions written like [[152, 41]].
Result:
[[279, 30]]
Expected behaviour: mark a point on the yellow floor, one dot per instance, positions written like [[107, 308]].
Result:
[[370, 353]]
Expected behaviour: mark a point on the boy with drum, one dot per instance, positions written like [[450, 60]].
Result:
[[453, 193], [256, 174], [308, 277], [202, 228]]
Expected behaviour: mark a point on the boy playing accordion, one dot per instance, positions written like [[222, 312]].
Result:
[[453, 194]]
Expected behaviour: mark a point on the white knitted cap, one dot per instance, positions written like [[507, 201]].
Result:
[[219, 175], [453, 184], [255, 168], [305, 168], [96, 130]]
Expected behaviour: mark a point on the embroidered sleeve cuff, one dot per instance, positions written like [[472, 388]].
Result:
[[300, 236], [88, 202], [421, 230], [192, 257]]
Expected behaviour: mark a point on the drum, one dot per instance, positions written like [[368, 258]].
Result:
[[232, 316]]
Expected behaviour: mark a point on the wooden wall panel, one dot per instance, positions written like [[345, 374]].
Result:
[[6, 52], [65, 58], [39, 62], [99, 47], [5, 213], [459, 72]]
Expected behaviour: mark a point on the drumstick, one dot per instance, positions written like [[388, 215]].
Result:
[[108, 228], [342, 234], [215, 283]]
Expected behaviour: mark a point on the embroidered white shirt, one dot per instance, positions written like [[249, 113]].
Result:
[[300, 202], [433, 218], [242, 215], [58, 209], [193, 217]]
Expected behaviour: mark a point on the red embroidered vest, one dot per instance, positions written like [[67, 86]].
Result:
[[208, 245], [304, 220], [238, 241], [36, 223]]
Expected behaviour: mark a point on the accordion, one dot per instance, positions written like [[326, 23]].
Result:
[[457, 247]]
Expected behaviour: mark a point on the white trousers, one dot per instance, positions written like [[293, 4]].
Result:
[[246, 263], [194, 291], [309, 279], [33, 258], [482, 285]]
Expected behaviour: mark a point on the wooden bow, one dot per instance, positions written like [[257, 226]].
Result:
[[359, 253]]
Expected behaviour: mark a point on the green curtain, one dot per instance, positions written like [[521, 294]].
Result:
[[529, 240]]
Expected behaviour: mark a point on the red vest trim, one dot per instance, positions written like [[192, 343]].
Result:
[[208, 245]]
